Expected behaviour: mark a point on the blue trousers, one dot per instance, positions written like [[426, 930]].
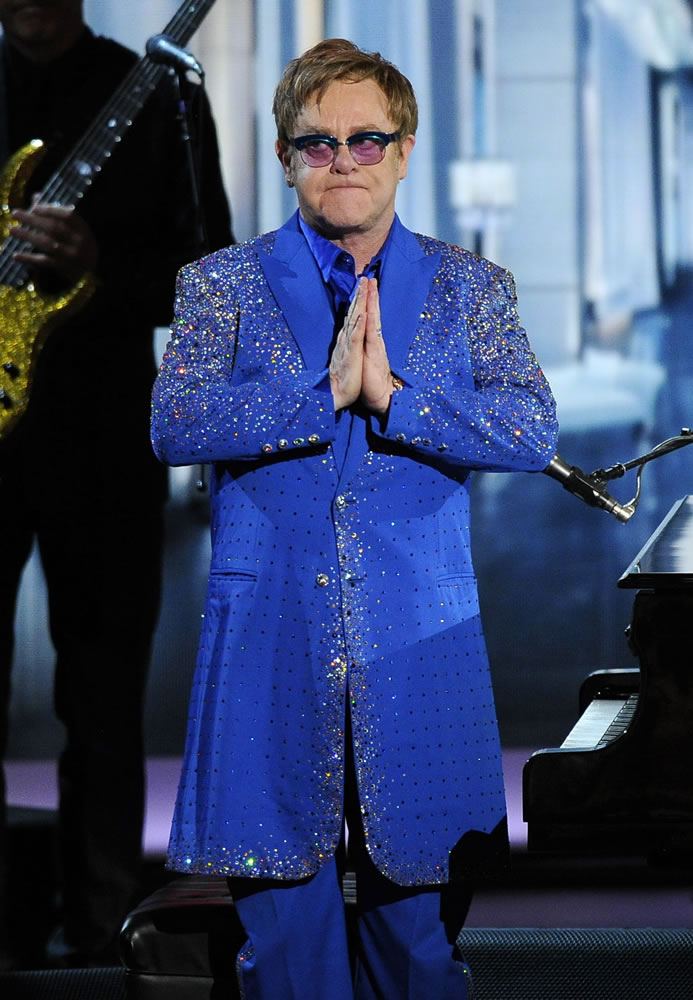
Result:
[[402, 945], [298, 947]]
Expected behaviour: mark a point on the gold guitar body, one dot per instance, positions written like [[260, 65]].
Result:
[[27, 314]]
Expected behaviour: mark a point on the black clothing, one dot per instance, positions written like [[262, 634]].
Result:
[[78, 473]]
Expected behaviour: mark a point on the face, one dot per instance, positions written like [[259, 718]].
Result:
[[41, 29], [346, 198]]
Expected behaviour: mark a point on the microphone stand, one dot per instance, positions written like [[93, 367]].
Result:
[[163, 49], [185, 119], [183, 88]]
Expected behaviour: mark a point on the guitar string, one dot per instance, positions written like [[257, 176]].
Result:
[[76, 173]]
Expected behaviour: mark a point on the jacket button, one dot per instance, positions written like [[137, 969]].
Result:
[[314, 439], [282, 443], [322, 579], [267, 448]]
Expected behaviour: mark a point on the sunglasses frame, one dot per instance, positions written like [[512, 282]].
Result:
[[300, 142]]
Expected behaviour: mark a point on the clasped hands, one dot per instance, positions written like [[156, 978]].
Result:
[[59, 237], [359, 367]]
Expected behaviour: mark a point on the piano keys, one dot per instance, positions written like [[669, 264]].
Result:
[[603, 721], [622, 780]]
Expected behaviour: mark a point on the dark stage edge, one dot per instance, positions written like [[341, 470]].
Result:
[[64, 984], [506, 963]]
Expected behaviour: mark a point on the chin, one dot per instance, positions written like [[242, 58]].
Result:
[[350, 205], [343, 223]]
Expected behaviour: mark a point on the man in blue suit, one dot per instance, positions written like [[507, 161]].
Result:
[[343, 376]]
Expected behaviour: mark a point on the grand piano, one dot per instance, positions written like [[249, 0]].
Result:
[[622, 780]]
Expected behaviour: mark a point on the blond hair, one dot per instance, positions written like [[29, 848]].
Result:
[[309, 76]]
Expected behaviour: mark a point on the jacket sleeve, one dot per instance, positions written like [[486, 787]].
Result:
[[497, 415], [208, 406]]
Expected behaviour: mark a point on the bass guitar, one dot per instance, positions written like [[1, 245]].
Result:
[[27, 313]]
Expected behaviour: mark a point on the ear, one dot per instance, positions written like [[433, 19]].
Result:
[[405, 147], [284, 152]]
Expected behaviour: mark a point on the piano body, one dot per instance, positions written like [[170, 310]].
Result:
[[622, 781]]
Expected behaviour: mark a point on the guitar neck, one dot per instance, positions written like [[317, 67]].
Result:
[[78, 171], [28, 313]]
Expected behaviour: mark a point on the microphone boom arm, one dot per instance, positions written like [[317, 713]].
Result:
[[663, 448]]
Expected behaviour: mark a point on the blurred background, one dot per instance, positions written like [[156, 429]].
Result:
[[556, 139]]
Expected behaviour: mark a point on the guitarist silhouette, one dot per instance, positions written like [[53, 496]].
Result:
[[77, 475]]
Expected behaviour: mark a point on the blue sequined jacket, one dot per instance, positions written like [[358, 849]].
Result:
[[341, 559]]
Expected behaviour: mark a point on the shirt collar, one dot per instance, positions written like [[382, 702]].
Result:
[[327, 254]]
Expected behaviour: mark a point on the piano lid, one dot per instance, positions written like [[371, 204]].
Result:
[[666, 559]]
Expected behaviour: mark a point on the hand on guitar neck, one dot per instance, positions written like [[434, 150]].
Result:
[[61, 240]]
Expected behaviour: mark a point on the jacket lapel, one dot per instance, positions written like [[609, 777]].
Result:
[[407, 278], [297, 285]]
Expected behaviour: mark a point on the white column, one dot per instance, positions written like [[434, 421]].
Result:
[[268, 29], [225, 47], [309, 20], [482, 187], [537, 101]]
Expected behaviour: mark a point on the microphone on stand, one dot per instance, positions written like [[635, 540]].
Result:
[[590, 491], [162, 49]]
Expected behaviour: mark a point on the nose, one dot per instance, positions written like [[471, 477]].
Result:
[[343, 161]]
